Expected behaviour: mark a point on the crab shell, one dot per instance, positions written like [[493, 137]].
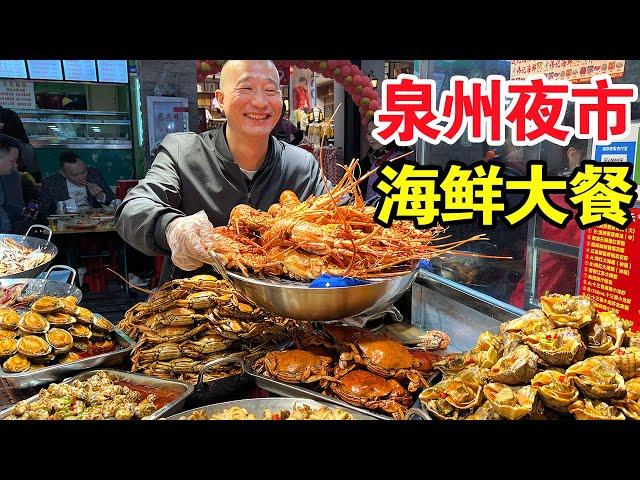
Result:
[[33, 322], [16, 364], [598, 378], [363, 388], [434, 340], [297, 366], [61, 319], [8, 347], [9, 318], [517, 368], [630, 405], [484, 412], [60, 340], [627, 361], [605, 334], [555, 389], [511, 403], [569, 311], [34, 347], [343, 335], [560, 347], [588, 409], [46, 305], [425, 360]]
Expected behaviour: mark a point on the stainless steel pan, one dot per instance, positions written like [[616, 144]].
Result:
[[33, 243]]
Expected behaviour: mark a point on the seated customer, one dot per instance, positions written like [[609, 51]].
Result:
[[83, 186], [11, 202]]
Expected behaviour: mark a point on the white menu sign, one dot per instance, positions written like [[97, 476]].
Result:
[[80, 70], [114, 71], [45, 69], [13, 69], [17, 94]]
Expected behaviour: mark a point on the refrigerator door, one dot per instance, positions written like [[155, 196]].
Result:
[[166, 115]]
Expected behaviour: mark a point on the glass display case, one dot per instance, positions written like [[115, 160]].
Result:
[[77, 128]]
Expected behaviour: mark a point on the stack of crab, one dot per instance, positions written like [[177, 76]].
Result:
[[356, 365], [565, 359], [54, 330], [189, 322]]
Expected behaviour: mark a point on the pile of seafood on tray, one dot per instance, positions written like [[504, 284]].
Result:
[[565, 360], [53, 330], [303, 240], [361, 367], [16, 258], [303, 412], [97, 398], [189, 322]]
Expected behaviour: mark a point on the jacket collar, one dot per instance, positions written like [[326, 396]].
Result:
[[224, 154]]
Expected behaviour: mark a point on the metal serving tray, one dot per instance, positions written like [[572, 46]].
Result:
[[258, 405], [296, 391], [172, 407], [56, 372]]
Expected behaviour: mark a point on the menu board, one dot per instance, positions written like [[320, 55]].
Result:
[[13, 69], [114, 71], [577, 71], [609, 258], [45, 69], [80, 70], [17, 94]]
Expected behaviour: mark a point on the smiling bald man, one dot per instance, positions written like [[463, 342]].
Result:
[[213, 172]]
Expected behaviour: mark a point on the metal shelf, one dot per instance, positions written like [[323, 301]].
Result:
[[77, 122]]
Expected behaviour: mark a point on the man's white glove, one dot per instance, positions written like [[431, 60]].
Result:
[[189, 238]]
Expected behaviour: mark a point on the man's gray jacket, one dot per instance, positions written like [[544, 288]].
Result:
[[194, 172]]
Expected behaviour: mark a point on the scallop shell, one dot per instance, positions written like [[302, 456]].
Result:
[[555, 389], [9, 318], [33, 322], [588, 409], [8, 347], [16, 364], [511, 403], [598, 378], [8, 333], [569, 311], [60, 319], [70, 357], [606, 334], [80, 332], [47, 304], [534, 321], [560, 347], [102, 325], [517, 368], [83, 315], [60, 340], [33, 346]]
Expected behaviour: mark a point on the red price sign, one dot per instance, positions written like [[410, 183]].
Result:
[[609, 259]]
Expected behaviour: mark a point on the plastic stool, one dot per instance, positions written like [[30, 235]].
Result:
[[158, 260], [96, 282]]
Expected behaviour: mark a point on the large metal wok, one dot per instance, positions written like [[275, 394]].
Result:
[[33, 243], [43, 286]]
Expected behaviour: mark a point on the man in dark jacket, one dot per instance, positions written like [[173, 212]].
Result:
[[10, 124], [75, 181], [196, 180]]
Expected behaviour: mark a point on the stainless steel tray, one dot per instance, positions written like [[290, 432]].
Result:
[[43, 286], [59, 371], [258, 405], [174, 406], [33, 243], [296, 391]]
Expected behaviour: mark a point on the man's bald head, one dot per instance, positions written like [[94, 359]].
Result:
[[232, 69]]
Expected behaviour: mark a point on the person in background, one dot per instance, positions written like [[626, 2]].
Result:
[[10, 124], [557, 273], [376, 155], [75, 181], [301, 97], [11, 201], [285, 130]]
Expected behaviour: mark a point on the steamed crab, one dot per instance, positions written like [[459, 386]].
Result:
[[365, 389], [385, 358], [296, 366]]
